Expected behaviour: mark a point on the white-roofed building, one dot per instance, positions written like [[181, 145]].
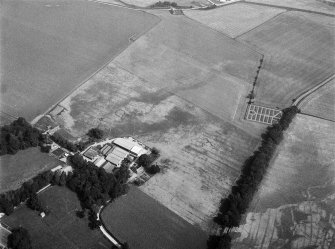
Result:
[[114, 159], [138, 150], [125, 143], [100, 161], [120, 152]]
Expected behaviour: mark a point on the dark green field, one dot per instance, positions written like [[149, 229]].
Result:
[[61, 229], [15, 169], [49, 47], [146, 224]]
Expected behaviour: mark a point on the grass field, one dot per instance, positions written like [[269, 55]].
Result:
[[15, 169], [145, 223], [48, 48], [61, 229], [299, 54], [295, 204], [321, 103], [234, 19]]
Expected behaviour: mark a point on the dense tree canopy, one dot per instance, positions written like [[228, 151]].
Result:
[[19, 239], [95, 133], [19, 135]]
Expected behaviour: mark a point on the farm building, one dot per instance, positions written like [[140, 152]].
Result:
[[58, 152], [105, 150], [90, 153], [130, 145], [114, 159], [108, 167], [99, 162]]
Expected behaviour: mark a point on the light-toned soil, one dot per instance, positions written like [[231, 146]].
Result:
[[48, 48], [234, 19], [295, 204], [314, 5], [321, 103], [299, 54]]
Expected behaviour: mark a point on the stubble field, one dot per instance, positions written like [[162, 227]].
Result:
[[234, 19], [157, 91], [299, 54], [321, 103], [48, 48], [294, 207]]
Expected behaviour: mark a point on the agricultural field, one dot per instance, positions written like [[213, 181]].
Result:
[[309, 5], [18, 168], [321, 103], [61, 228], [234, 19], [299, 54], [156, 92], [49, 48], [186, 3], [295, 205], [160, 227]]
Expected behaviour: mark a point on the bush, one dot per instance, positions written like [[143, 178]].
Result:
[[144, 160], [153, 169], [95, 133]]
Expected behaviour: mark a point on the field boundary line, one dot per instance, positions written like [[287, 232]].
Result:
[[303, 96], [99, 69], [291, 8], [227, 36], [254, 28]]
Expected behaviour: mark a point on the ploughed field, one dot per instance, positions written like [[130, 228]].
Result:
[[61, 228], [321, 103], [171, 90], [295, 205], [50, 47], [25, 164], [234, 19], [299, 54], [145, 223]]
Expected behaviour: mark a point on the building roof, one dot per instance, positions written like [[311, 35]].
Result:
[[90, 153], [119, 152], [138, 150], [58, 152], [124, 143], [105, 149], [100, 161], [114, 159], [108, 167]]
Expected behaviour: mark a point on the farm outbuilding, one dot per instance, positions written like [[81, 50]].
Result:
[[99, 162], [130, 145], [90, 153], [108, 167], [114, 159]]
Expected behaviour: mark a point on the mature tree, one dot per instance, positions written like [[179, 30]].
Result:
[[95, 133], [35, 203], [19, 239], [94, 223], [125, 246], [6, 205], [144, 160]]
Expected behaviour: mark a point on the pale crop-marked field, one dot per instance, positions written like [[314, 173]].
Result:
[[321, 103], [48, 48], [295, 206], [313, 5], [299, 54], [234, 19], [204, 152]]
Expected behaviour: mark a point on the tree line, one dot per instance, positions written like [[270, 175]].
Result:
[[254, 168], [19, 135]]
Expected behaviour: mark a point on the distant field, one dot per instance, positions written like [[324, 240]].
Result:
[[313, 5], [234, 19], [48, 48], [321, 103], [61, 229], [146, 3], [299, 54], [295, 203], [146, 224], [15, 169]]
